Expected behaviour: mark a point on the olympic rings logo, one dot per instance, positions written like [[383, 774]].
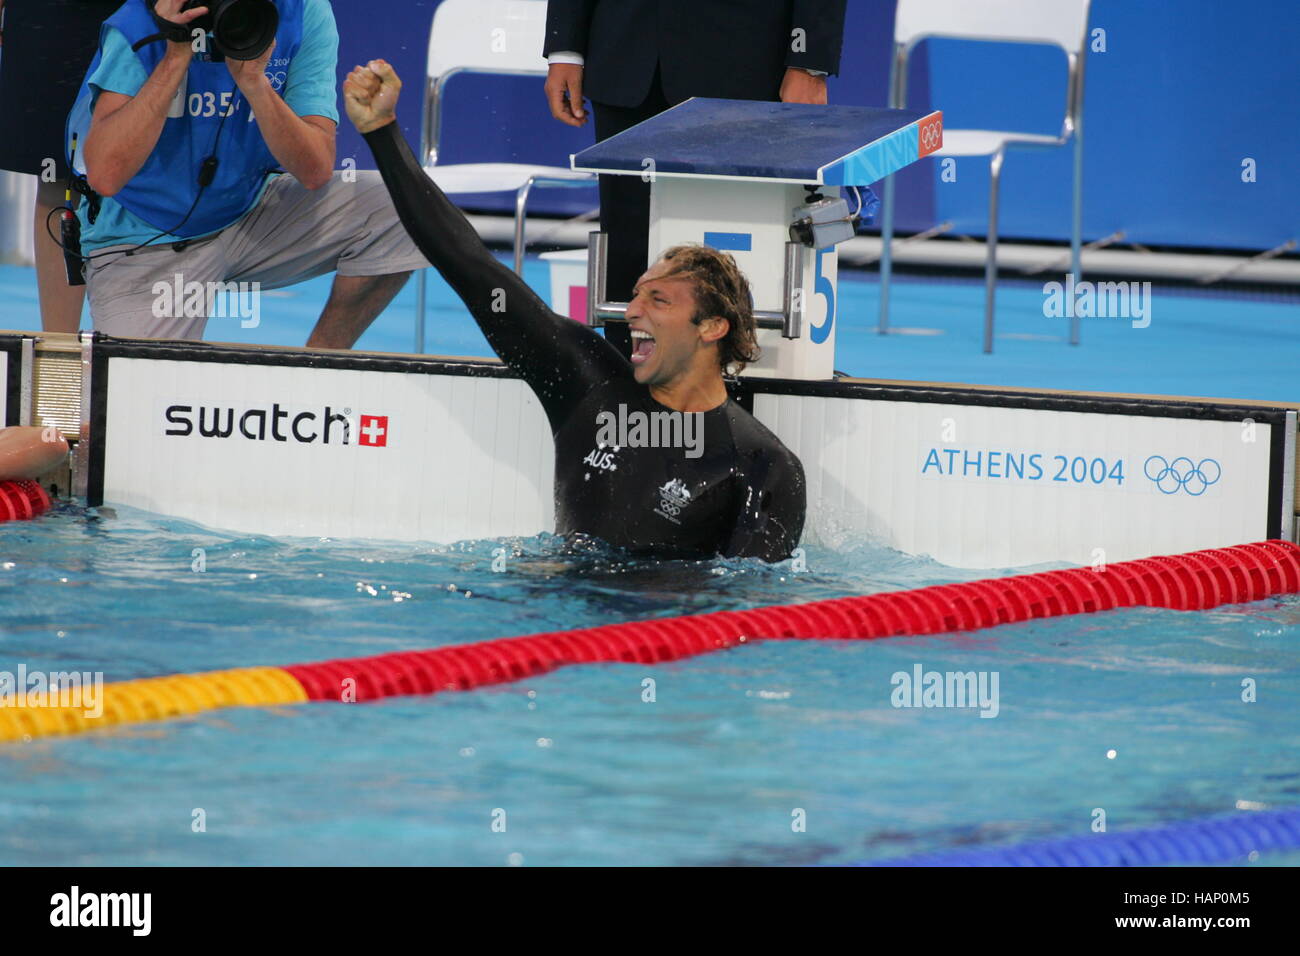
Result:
[[930, 136], [1170, 476]]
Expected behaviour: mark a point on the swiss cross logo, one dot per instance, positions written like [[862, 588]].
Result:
[[374, 430]]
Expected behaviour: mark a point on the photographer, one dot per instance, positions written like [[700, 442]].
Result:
[[190, 136]]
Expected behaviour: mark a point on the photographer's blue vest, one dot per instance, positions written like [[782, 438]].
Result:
[[165, 188]]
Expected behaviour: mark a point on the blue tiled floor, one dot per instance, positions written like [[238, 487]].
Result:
[[1197, 343]]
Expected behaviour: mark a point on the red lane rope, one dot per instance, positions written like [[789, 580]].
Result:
[[1195, 581], [22, 499]]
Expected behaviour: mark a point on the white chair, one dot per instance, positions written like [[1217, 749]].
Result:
[[484, 36], [1061, 23]]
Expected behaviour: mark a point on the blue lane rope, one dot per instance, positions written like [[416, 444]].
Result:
[[1207, 840]]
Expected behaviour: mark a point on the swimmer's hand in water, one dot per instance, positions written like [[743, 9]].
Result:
[[370, 95]]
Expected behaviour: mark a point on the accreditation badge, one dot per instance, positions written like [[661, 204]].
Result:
[[176, 109]]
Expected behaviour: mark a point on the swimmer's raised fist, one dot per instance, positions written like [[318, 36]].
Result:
[[370, 95]]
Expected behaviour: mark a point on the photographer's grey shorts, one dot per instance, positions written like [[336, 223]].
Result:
[[292, 234]]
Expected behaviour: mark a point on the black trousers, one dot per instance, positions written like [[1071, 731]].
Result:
[[625, 210]]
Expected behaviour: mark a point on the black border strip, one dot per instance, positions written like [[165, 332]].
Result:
[[12, 348], [295, 358], [98, 424], [1276, 478], [1155, 407]]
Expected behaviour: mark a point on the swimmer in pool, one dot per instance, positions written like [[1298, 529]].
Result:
[[651, 456]]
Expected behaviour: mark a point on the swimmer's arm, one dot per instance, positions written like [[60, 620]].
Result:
[[562, 360], [29, 452], [771, 511]]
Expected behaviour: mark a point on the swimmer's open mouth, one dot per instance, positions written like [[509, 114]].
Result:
[[643, 346]]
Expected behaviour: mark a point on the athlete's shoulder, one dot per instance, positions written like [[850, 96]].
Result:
[[615, 388], [773, 491], [755, 439]]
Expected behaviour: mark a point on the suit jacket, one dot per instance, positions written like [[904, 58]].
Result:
[[734, 49]]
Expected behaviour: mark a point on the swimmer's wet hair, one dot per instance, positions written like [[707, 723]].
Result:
[[721, 289]]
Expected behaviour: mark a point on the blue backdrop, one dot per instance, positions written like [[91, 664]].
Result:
[[1182, 95]]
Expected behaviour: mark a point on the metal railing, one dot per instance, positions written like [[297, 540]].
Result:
[[789, 320]]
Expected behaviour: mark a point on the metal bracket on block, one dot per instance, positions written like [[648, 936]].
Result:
[[789, 320]]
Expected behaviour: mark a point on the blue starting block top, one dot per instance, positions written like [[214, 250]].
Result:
[[770, 142]]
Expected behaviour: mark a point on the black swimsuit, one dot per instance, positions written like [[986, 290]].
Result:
[[726, 486]]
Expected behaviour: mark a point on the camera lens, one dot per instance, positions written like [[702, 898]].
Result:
[[243, 29]]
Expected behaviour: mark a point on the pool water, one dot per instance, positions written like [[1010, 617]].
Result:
[[776, 753]]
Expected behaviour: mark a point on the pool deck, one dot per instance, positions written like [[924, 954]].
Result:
[[1201, 343]]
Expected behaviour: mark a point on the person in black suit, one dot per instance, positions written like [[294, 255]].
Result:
[[637, 58], [45, 48]]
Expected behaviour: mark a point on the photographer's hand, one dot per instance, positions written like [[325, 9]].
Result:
[[170, 10], [370, 94], [249, 74], [303, 145]]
